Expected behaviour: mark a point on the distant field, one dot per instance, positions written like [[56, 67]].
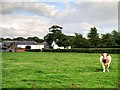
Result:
[[57, 70]]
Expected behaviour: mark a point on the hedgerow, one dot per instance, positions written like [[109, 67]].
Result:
[[86, 50]]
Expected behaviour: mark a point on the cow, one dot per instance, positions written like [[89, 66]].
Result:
[[105, 60]]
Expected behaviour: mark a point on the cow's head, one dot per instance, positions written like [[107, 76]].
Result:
[[105, 55]]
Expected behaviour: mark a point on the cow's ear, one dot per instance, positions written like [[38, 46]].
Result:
[[101, 54], [108, 54]]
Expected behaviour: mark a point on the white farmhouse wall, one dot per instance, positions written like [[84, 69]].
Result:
[[21, 46], [55, 46], [60, 48], [32, 46]]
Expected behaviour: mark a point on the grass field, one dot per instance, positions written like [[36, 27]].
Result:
[[57, 70]]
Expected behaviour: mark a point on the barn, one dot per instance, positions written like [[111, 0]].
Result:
[[29, 45], [21, 46]]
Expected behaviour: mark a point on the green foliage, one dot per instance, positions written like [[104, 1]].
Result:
[[35, 39], [116, 36], [79, 41], [6, 39], [48, 38], [108, 40], [94, 37], [55, 34], [23, 39], [86, 50], [62, 40], [57, 70], [33, 50], [55, 28], [19, 39], [70, 40]]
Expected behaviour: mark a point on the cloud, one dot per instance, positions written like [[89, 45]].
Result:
[[60, 0], [95, 12], [80, 17], [97, 0], [77, 17], [36, 8], [38, 1], [13, 26]]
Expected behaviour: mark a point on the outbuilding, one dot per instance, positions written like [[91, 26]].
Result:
[[21, 46]]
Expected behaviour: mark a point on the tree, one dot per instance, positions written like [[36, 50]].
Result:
[[70, 40], [1, 39], [35, 39], [7, 39], [94, 37], [55, 34], [55, 28], [19, 39], [116, 36], [63, 40], [79, 41], [48, 38], [108, 40]]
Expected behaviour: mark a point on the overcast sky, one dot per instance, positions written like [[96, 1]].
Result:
[[33, 18]]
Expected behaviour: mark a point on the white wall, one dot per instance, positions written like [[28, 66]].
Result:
[[55, 47], [60, 48], [32, 46]]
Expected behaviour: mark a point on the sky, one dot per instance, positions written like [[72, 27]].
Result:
[[29, 18]]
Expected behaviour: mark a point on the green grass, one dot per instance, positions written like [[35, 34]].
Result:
[[57, 70]]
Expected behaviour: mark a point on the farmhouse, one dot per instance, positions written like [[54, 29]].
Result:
[[55, 46], [21, 46]]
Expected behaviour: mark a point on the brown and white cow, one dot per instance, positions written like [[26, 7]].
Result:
[[105, 60]]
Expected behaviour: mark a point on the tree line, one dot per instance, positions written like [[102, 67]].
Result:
[[37, 39], [93, 40]]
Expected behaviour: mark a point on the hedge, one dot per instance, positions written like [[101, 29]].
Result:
[[33, 50], [80, 50], [86, 50]]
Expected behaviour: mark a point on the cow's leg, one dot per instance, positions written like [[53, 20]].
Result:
[[108, 67], [103, 67]]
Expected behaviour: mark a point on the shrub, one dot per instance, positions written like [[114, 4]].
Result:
[[33, 50], [86, 50]]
